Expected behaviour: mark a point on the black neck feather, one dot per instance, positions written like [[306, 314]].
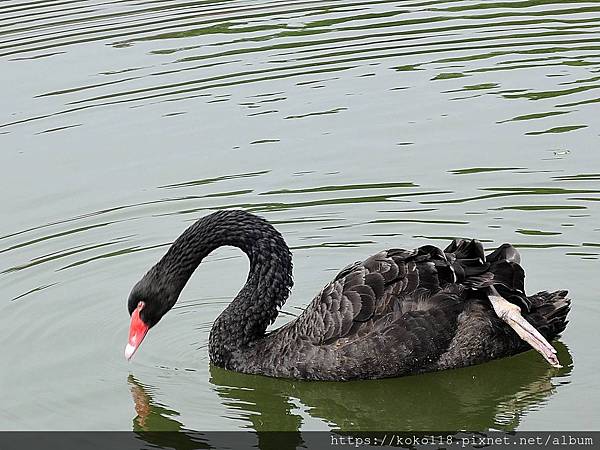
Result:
[[266, 289]]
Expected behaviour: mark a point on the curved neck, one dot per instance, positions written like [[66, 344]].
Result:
[[266, 289]]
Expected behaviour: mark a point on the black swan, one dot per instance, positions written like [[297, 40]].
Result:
[[396, 313]]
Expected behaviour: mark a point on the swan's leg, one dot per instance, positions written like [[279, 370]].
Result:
[[511, 314]]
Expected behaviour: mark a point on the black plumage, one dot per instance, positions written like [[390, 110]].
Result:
[[396, 313]]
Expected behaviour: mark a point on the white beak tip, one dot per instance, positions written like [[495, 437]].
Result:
[[129, 351]]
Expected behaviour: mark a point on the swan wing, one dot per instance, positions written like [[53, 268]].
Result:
[[408, 343], [387, 285]]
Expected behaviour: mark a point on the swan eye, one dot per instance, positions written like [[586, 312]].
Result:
[[140, 305]]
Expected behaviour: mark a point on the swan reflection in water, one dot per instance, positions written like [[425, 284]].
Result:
[[495, 395], [153, 419]]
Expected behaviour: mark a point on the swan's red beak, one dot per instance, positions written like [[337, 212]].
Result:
[[137, 332]]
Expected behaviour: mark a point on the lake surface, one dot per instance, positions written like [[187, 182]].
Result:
[[353, 126]]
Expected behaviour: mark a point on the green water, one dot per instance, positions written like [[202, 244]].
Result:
[[353, 127]]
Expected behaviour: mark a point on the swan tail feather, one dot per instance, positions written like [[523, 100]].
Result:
[[549, 312]]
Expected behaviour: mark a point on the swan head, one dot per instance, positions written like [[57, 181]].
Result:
[[148, 302]]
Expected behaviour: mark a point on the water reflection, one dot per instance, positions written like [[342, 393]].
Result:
[[489, 396], [153, 417]]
